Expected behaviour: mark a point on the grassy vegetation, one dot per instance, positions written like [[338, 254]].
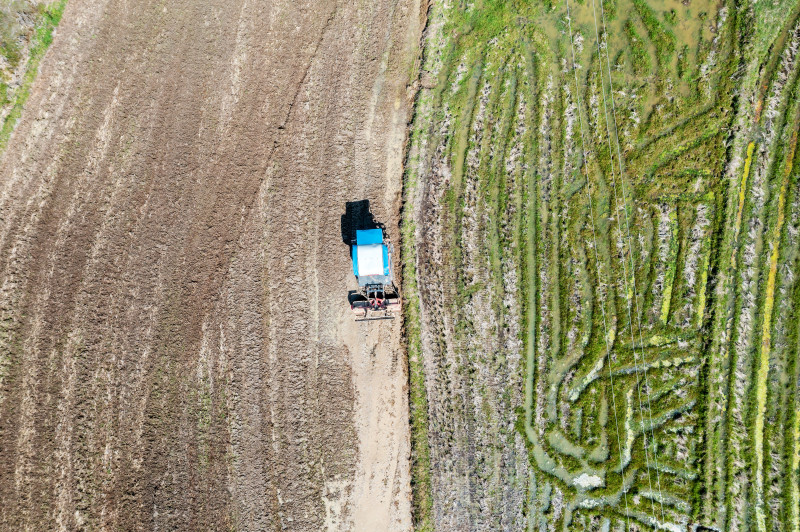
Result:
[[663, 38], [672, 266], [421, 459], [638, 52], [47, 18]]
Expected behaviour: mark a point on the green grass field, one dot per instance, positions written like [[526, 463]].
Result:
[[604, 213]]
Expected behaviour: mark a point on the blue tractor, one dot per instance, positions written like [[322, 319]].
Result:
[[377, 296]]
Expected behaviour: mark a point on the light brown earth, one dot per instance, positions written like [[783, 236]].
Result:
[[176, 349]]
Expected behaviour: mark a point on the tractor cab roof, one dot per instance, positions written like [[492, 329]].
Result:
[[370, 255]]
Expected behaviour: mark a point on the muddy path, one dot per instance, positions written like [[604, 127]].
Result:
[[176, 350]]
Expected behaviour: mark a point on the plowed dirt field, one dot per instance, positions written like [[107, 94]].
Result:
[[176, 349]]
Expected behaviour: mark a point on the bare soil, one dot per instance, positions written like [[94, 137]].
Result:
[[176, 349]]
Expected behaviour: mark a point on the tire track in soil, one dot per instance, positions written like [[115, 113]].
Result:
[[176, 344]]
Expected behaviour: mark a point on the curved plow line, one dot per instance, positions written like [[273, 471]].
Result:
[[737, 226], [594, 240], [701, 299], [543, 460], [630, 249], [672, 268], [766, 341]]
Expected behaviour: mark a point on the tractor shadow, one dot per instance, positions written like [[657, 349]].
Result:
[[357, 216]]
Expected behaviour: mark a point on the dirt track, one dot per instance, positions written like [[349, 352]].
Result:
[[175, 342]]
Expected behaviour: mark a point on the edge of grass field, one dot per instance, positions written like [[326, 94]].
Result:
[[419, 124], [42, 38]]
